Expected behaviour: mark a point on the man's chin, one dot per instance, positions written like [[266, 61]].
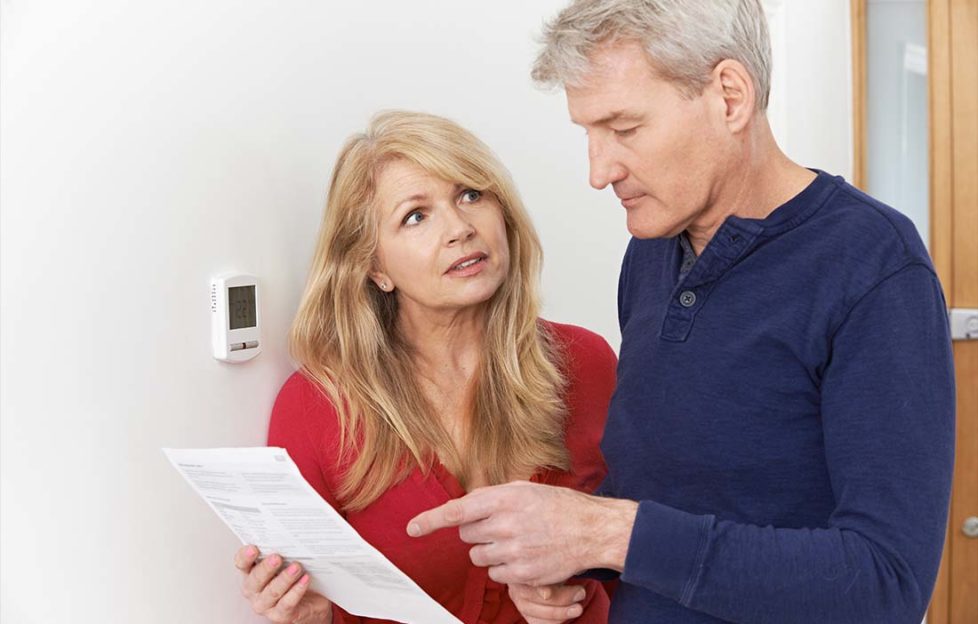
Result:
[[644, 228]]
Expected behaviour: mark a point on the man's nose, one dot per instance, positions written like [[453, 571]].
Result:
[[605, 169]]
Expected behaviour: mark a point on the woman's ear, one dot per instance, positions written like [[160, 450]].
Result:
[[382, 280]]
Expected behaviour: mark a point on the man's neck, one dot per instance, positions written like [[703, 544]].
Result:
[[754, 187]]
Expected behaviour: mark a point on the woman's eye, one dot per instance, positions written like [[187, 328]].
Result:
[[414, 218], [471, 196]]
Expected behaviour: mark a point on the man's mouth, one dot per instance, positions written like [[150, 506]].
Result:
[[628, 202]]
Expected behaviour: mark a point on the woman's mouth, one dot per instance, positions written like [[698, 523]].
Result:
[[469, 265]]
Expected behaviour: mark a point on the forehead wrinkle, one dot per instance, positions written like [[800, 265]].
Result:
[[420, 197]]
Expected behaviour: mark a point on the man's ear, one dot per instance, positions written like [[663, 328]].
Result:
[[734, 83]]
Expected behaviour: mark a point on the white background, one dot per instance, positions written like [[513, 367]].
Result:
[[149, 145]]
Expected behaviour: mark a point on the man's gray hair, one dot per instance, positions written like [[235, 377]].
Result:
[[684, 39]]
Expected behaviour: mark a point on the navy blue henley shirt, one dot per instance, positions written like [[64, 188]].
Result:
[[785, 416]]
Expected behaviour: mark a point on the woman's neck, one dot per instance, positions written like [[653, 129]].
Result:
[[446, 351], [446, 345]]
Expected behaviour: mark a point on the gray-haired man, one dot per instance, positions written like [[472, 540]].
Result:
[[780, 443]]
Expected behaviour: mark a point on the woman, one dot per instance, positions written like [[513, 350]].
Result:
[[425, 371]]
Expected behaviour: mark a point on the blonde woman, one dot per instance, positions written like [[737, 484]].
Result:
[[425, 371]]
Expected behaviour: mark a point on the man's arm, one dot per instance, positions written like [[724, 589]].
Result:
[[888, 424]]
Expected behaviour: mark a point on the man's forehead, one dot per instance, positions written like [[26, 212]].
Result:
[[617, 102], [616, 74]]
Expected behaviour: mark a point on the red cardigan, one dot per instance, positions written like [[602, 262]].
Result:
[[304, 422]]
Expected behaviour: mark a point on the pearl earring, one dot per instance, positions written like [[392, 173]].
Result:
[[383, 285]]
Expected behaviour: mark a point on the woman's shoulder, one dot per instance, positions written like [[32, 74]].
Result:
[[302, 405], [589, 364], [581, 347], [300, 389], [305, 423]]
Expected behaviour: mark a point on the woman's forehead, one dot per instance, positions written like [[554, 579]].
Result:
[[401, 180]]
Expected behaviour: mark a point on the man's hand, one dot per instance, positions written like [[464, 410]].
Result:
[[533, 534]]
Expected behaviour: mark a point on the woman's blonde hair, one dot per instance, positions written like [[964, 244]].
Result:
[[345, 335]]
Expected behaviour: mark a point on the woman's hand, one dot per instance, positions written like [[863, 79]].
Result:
[[280, 594], [548, 604]]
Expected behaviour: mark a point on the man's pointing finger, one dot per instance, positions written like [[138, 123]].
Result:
[[469, 508]]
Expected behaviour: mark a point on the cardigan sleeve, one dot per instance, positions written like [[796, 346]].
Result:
[[888, 424]]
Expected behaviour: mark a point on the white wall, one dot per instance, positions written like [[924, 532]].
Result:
[[147, 146], [811, 99]]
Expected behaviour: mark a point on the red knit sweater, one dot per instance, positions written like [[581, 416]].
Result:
[[305, 423]]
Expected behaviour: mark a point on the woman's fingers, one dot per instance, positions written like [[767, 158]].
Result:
[[260, 575], [278, 590], [288, 603], [245, 557], [559, 595], [277, 587], [550, 603]]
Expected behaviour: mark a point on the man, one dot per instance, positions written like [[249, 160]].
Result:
[[780, 441]]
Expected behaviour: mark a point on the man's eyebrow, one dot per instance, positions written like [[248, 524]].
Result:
[[612, 117]]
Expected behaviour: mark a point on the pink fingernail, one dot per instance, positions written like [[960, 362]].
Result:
[[251, 551], [292, 569], [304, 580], [273, 562]]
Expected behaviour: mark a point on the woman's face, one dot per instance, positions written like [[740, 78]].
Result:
[[442, 246]]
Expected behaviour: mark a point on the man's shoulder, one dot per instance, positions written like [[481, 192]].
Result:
[[855, 219]]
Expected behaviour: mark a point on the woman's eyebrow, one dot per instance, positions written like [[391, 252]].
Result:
[[412, 198]]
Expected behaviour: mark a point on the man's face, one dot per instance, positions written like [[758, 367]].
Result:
[[660, 151]]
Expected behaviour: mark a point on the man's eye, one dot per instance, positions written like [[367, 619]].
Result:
[[413, 218], [470, 196], [626, 132]]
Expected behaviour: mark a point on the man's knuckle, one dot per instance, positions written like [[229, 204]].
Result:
[[454, 512], [522, 573], [476, 556], [467, 533], [497, 574]]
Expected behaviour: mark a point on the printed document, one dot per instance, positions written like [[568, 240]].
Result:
[[261, 495]]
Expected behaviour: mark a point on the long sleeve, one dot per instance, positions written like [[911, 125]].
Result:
[[887, 410]]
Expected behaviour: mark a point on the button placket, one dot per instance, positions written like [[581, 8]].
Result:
[[728, 246]]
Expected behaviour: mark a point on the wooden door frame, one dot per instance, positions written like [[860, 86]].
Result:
[[942, 160], [939, 118]]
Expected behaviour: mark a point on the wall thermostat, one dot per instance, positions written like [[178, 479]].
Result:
[[235, 317]]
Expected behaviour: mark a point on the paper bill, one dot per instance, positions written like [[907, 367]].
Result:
[[261, 495]]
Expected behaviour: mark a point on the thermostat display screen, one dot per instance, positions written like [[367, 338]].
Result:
[[241, 307]]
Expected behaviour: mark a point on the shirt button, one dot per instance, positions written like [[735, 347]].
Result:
[[687, 298]]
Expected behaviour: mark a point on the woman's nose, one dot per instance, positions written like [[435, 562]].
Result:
[[459, 227]]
